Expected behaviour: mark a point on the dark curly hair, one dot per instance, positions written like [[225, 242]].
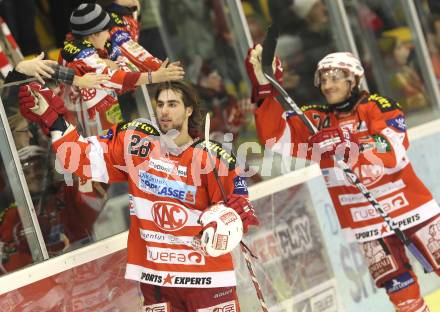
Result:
[[190, 98]]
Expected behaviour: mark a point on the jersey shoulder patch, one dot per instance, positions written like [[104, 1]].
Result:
[[218, 151], [385, 104], [318, 107], [139, 126], [77, 49]]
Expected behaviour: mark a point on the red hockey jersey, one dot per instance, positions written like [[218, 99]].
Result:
[[383, 165], [168, 190]]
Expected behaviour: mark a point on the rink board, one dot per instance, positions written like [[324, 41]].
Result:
[[305, 264]]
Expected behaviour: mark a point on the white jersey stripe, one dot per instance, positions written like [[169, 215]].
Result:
[[396, 141], [283, 144], [165, 238], [377, 192], [97, 161]]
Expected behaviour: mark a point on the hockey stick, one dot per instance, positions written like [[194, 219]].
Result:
[[244, 249], [268, 53]]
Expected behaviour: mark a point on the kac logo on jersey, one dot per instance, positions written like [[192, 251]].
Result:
[[167, 188], [169, 216], [240, 186]]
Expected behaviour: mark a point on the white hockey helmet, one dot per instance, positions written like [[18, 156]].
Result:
[[222, 230], [344, 61]]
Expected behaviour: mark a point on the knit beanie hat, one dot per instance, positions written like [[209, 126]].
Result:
[[89, 18]]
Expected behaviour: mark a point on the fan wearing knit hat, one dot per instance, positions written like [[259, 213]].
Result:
[[85, 53], [124, 34], [89, 18]]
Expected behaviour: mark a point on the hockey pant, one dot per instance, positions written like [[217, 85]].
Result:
[[173, 299], [389, 265]]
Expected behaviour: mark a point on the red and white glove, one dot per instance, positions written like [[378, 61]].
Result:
[[261, 87], [40, 105], [327, 141], [245, 210]]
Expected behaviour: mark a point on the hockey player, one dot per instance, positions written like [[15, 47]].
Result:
[[168, 191], [124, 34], [90, 27], [375, 126]]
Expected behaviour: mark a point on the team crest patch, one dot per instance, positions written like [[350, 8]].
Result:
[[397, 123], [119, 37], [240, 186], [108, 135]]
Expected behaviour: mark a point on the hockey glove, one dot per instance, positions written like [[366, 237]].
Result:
[[245, 210], [222, 231], [327, 141], [40, 105], [261, 87]]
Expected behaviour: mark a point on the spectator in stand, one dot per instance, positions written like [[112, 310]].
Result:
[[20, 17], [406, 83], [124, 34], [317, 42], [434, 44], [90, 29], [434, 6], [150, 23], [283, 12]]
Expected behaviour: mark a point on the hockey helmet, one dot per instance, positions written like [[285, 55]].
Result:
[[222, 230], [342, 61]]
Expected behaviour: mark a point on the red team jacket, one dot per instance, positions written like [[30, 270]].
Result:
[[383, 165], [167, 194], [124, 36]]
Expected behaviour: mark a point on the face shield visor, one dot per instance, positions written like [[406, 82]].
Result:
[[332, 75]]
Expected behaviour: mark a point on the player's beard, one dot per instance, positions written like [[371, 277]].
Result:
[[175, 126]]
